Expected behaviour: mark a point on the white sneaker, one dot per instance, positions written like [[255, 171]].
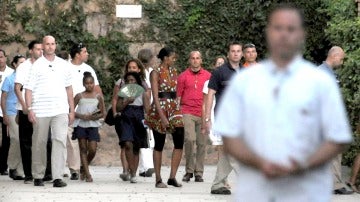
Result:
[[133, 179]]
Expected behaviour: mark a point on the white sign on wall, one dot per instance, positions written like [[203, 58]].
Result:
[[129, 11]]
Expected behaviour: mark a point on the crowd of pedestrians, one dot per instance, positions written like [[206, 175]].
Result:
[[272, 117]]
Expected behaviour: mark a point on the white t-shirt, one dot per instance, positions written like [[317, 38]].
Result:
[[147, 80], [215, 139], [78, 75], [281, 115], [22, 74], [8, 71], [48, 81]]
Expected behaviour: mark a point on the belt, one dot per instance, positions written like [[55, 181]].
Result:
[[168, 95]]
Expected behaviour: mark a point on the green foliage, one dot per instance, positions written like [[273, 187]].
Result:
[[108, 54], [344, 30], [209, 25]]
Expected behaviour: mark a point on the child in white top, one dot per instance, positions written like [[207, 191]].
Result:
[[90, 108]]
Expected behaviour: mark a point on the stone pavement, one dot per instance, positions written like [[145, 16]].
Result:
[[107, 186]]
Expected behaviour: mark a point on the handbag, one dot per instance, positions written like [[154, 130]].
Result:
[[109, 119]]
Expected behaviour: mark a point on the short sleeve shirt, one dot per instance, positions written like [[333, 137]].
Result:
[[22, 73], [78, 75], [48, 81], [220, 78], [281, 115], [8, 71], [11, 98]]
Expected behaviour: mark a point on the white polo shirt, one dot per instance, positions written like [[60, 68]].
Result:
[[283, 115], [77, 72], [22, 74], [48, 81], [8, 71]]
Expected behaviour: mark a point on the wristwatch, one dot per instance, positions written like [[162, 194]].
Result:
[[29, 108], [207, 119]]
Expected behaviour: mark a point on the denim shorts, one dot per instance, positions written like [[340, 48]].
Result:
[[91, 134]]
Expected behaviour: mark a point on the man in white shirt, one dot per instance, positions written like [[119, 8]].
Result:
[[50, 103], [283, 120], [79, 56], [25, 126], [5, 142]]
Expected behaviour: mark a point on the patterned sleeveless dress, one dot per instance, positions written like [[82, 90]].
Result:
[[167, 83]]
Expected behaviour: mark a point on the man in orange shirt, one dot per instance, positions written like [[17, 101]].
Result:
[[250, 54]]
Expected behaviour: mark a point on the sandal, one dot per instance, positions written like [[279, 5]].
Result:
[[353, 187], [173, 182], [160, 184]]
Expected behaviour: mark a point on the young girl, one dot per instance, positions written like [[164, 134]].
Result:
[[90, 108], [134, 135]]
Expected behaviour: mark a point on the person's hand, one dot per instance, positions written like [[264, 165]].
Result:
[[164, 122], [297, 167], [129, 100], [203, 129], [17, 118], [71, 118], [6, 120], [207, 127], [32, 116], [273, 170]]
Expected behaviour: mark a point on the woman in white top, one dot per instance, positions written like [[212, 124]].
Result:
[[90, 108]]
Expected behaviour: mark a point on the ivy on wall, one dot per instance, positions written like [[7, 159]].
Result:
[[209, 25], [108, 54]]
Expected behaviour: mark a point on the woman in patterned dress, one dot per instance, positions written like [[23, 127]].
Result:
[[165, 116]]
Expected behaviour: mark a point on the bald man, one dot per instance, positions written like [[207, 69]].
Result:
[[50, 104], [189, 92], [334, 60]]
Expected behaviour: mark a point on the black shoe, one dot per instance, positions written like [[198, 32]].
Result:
[[174, 183], [342, 191], [74, 176], [149, 172], [5, 172], [187, 177], [18, 178], [143, 174], [221, 191], [59, 183], [38, 182], [198, 178], [12, 173], [47, 178], [28, 180]]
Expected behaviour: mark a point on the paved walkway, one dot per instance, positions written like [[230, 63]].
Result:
[[107, 186]]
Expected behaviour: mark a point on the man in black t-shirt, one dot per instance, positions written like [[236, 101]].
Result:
[[217, 84]]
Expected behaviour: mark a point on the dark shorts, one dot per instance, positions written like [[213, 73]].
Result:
[[132, 127], [91, 134]]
